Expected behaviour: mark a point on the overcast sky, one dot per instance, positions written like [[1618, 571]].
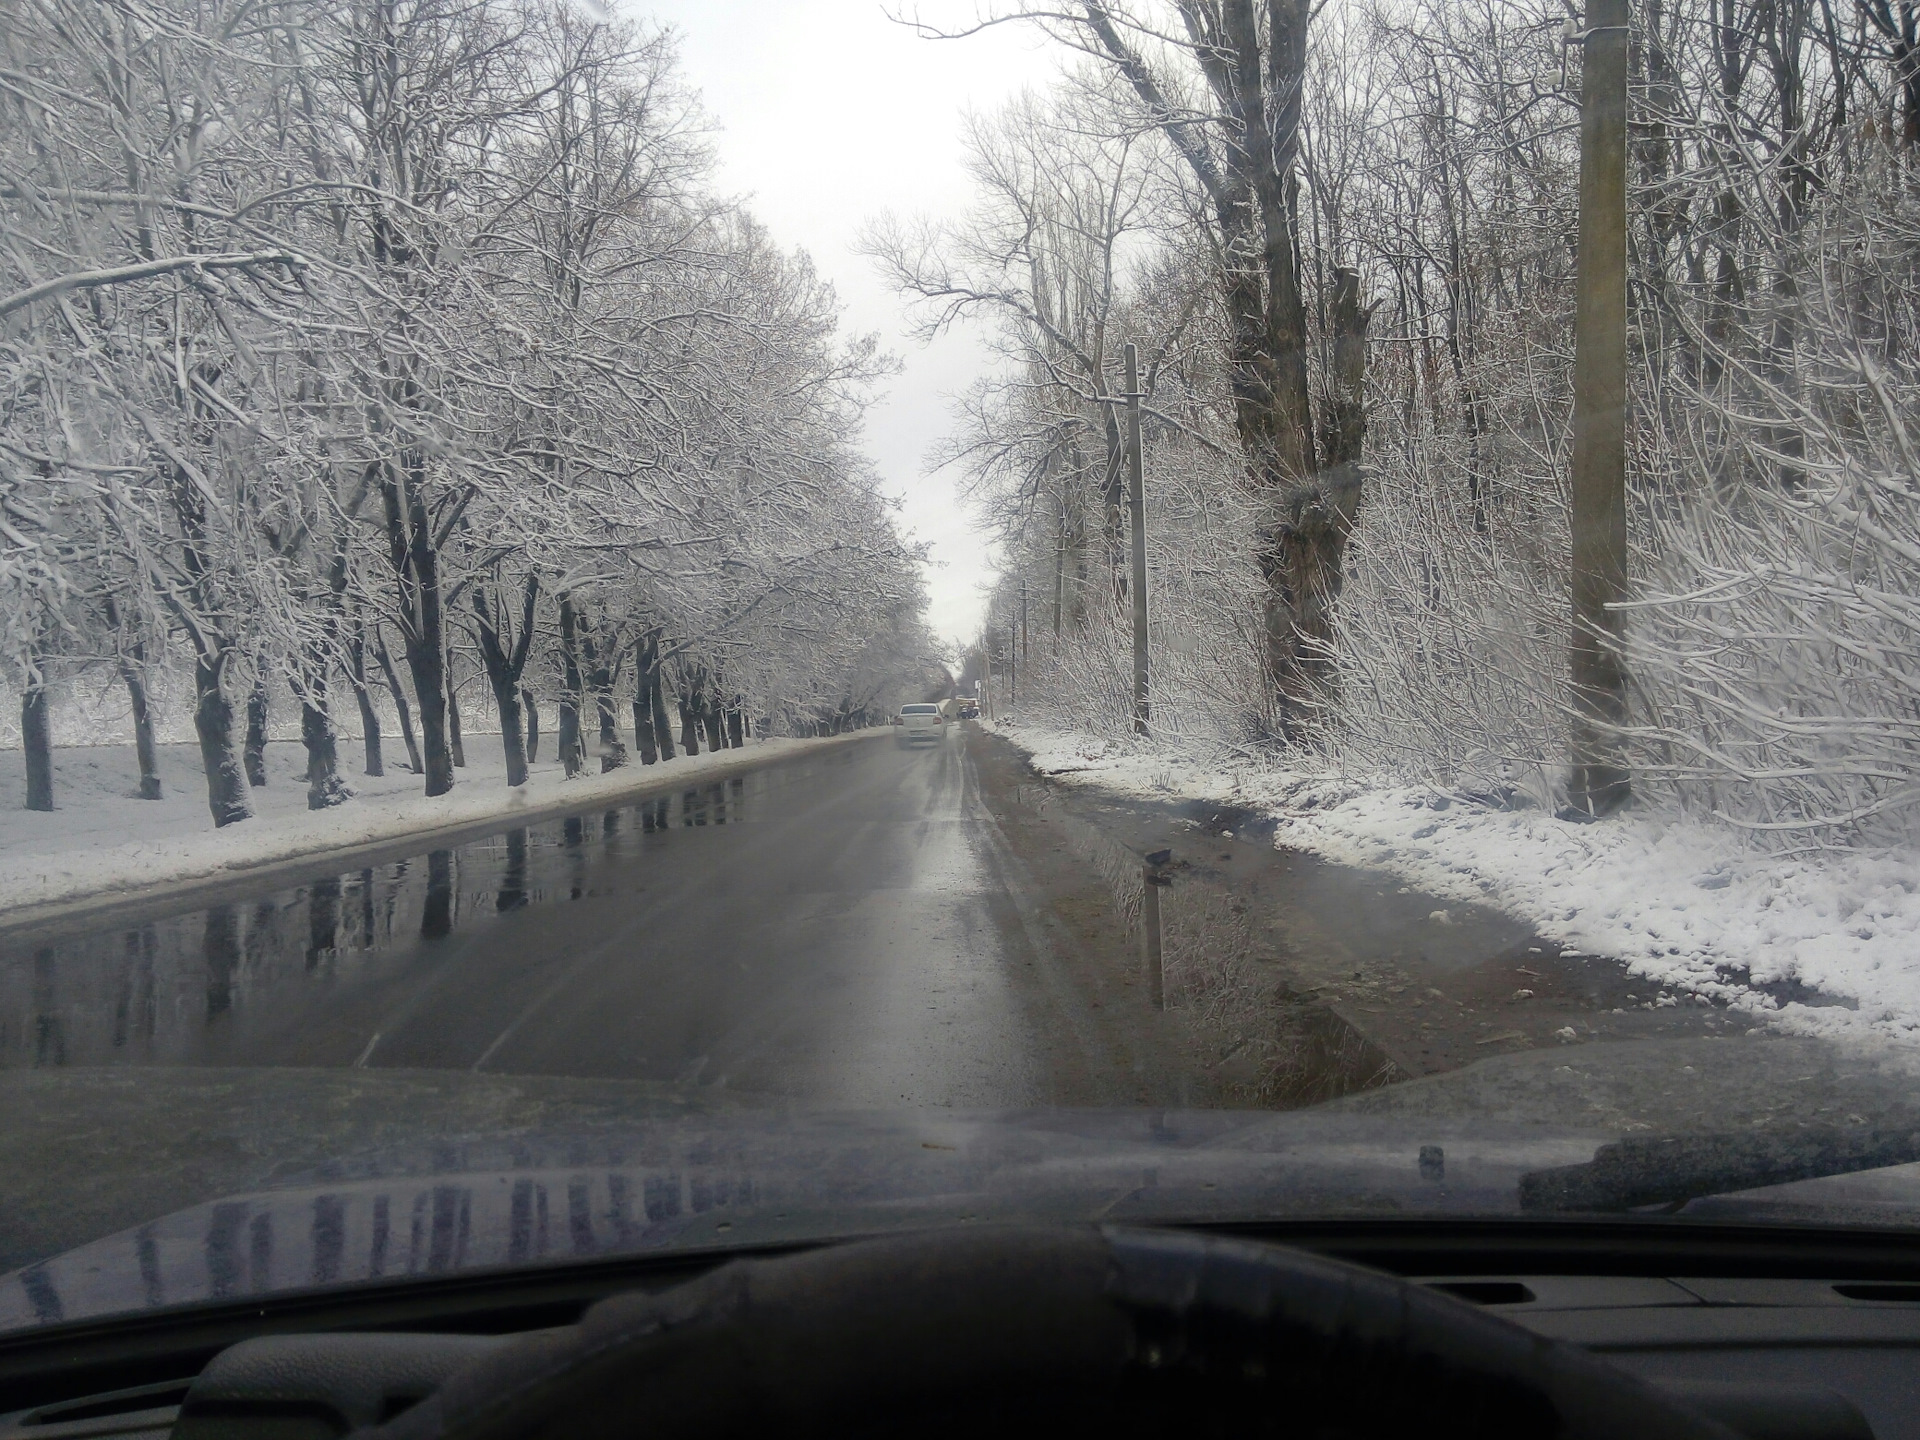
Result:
[[831, 114]]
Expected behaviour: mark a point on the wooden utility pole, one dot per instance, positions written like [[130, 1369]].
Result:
[[1137, 511], [1600, 782]]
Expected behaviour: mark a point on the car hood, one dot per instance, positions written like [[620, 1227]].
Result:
[[745, 1177], [222, 1184], [717, 1182]]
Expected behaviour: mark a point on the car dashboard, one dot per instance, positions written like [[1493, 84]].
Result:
[[1782, 1336]]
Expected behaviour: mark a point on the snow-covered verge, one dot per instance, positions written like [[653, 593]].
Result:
[[101, 842], [1679, 902]]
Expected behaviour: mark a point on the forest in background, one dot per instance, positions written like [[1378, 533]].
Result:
[[356, 351], [1344, 240]]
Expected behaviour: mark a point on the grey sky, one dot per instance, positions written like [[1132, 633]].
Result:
[[830, 114]]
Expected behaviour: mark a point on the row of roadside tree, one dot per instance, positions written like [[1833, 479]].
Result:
[[345, 344], [1344, 240]]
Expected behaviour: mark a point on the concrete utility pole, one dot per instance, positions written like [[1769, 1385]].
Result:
[[1013, 664], [986, 676], [1137, 510], [1600, 782]]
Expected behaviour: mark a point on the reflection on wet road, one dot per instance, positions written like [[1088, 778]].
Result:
[[862, 925], [1288, 980], [824, 928]]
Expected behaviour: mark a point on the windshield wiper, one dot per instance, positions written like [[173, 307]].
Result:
[[1673, 1169]]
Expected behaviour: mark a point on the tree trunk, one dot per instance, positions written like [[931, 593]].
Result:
[[1310, 542], [736, 728], [571, 760], [213, 724], [363, 697], [710, 718], [256, 751], [643, 729], [689, 726], [325, 788], [132, 666], [36, 739], [455, 744], [416, 566], [131, 656], [1310, 513], [571, 754], [613, 751], [657, 702], [533, 725], [503, 674], [1257, 74], [644, 648], [506, 699], [399, 703], [427, 659], [503, 677]]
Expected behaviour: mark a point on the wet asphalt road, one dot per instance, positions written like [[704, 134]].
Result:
[[860, 925], [836, 928], [832, 938]]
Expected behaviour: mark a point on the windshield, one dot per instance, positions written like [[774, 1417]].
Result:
[[1406, 509]]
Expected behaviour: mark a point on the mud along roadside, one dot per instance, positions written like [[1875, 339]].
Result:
[[1287, 980]]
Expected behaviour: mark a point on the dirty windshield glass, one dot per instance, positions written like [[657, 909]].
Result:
[[648, 623]]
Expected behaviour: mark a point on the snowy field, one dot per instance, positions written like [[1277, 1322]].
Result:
[[1679, 903], [103, 840]]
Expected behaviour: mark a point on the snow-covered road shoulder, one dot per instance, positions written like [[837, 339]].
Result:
[[1681, 903], [53, 864]]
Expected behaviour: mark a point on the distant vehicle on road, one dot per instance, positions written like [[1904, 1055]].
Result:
[[921, 722], [969, 710]]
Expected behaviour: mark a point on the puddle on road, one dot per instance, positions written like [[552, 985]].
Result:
[[1260, 1042], [172, 988], [1297, 980]]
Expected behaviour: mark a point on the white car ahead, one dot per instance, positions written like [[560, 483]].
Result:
[[921, 722]]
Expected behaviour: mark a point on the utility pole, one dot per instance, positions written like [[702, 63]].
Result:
[[1013, 663], [1059, 569], [986, 674], [1137, 509], [1600, 782]]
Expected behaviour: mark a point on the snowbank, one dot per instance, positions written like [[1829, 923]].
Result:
[[103, 843], [1680, 903]]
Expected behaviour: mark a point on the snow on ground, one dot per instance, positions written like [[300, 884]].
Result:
[[1681, 903], [101, 839]]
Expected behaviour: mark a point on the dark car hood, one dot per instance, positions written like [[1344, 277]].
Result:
[[746, 1177], [228, 1183]]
